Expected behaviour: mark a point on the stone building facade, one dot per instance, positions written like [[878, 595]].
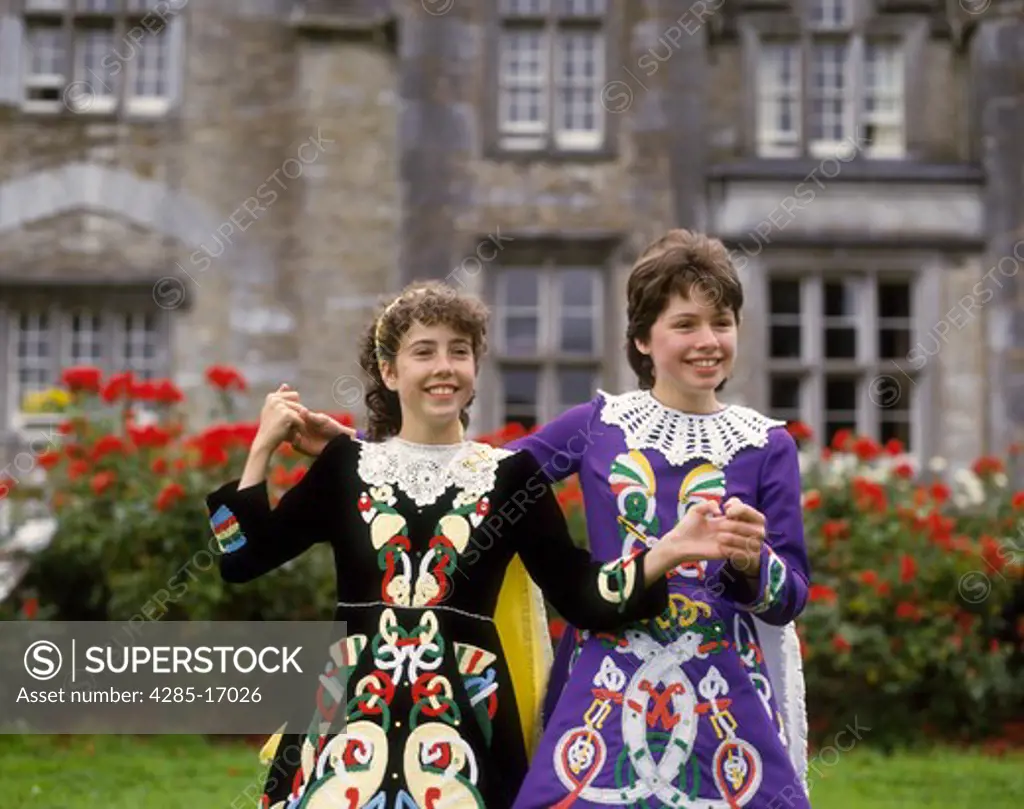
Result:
[[189, 182]]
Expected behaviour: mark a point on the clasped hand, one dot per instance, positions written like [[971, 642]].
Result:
[[734, 532]]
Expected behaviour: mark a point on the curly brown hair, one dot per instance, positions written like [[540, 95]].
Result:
[[693, 265], [429, 303]]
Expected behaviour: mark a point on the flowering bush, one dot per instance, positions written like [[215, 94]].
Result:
[[910, 624], [126, 483]]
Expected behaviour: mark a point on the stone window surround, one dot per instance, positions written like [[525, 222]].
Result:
[[589, 250], [612, 27], [101, 298], [911, 30], [13, 32], [923, 268]]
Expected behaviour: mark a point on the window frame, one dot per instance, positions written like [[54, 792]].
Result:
[[548, 360], [909, 32], [609, 35], [74, 22], [110, 304], [925, 301]]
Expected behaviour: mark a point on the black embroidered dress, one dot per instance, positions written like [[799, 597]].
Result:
[[422, 537]]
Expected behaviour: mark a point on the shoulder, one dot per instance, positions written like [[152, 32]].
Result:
[[517, 466]]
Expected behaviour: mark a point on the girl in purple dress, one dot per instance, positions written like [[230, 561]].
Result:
[[687, 709]]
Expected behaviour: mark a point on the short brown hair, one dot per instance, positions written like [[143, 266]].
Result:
[[680, 262], [430, 303]]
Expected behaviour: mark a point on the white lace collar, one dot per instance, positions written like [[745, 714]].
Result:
[[426, 471], [681, 437]]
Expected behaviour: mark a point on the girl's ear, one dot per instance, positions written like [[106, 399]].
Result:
[[388, 376], [642, 346]]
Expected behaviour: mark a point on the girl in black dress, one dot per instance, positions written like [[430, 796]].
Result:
[[424, 525]]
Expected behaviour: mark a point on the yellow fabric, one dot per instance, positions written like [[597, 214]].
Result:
[[523, 629]]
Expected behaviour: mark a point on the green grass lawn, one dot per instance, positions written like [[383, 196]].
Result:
[[186, 772]]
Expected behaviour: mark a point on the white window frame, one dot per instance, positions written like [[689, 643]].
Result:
[[548, 360], [874, 375], [850, 32], [76, 83], [554, 29]]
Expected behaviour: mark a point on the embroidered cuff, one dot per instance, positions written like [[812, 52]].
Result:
[[227, 507], [227, 530], [769, 585], [616, 580]]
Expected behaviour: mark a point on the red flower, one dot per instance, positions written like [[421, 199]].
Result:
[[107, 445], [822, 593], [212, 456], [280, 477], [345, 419], [908, 568], [904, 470], [812, 500], [224, 377], [82, 379], [159, 466], [168, 393], [1017, 502], [841, 644], [169, 495], [77, 468], [991, 552], [867, 449], [987, 465], [144, 391], [48, 460], [869, 496], [869, 577], [30, 608], [907, 611], [835, 529], [800, 431], [102, 481], [940, 493], [118, 387], [841, 440], [149, 436], [894, 447]]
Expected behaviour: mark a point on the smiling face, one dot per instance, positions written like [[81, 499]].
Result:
[[434, 375], [692, 346]]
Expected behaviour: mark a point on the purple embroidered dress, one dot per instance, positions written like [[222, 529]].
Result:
[[686, 709]]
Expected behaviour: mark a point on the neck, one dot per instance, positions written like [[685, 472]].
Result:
[[689, 401], [415, 433]]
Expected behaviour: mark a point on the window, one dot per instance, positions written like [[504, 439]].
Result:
[[551, 69], [85, 55], [44, 337], [837, 349], [831, 87], [549, 340]]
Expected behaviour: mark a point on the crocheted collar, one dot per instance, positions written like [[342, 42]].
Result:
[[683, 437], [426, 471]]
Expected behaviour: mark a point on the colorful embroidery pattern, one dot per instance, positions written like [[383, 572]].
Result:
[[227, 530], [775, 581]]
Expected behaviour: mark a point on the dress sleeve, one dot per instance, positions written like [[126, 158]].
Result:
[[785, 571], [254, 538], [590, 595], [559, 446]]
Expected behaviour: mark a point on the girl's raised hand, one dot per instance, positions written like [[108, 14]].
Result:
[[280, 419]]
